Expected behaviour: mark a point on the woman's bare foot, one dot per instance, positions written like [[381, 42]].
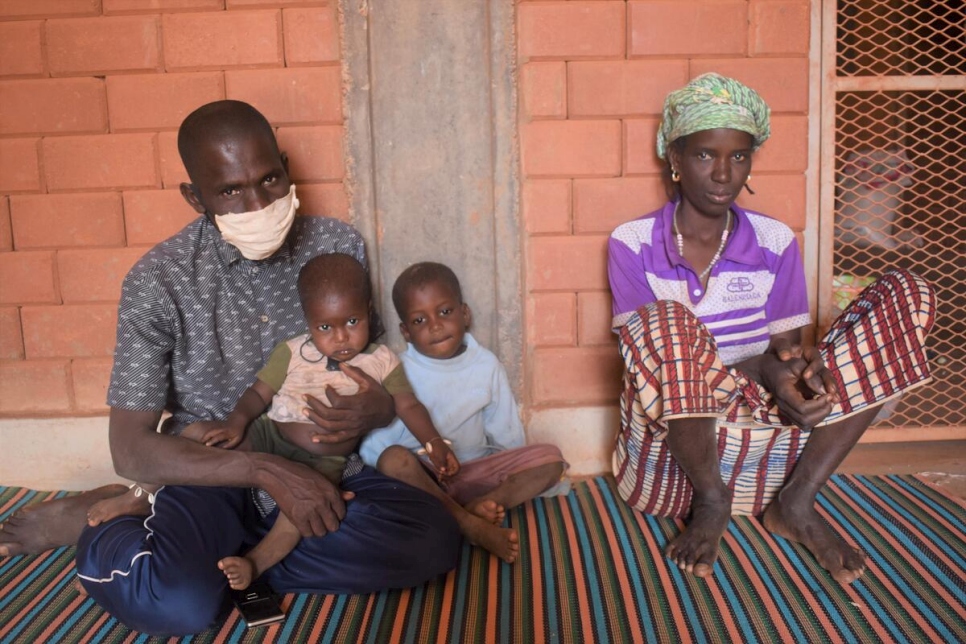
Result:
[[129, 503], [486, 509], [696, 549], [502, 542], [51, 524], [805, 526], [238, 570]]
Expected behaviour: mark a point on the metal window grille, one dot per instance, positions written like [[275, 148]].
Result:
[[893, 175]]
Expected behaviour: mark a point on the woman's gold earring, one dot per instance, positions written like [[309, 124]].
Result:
[[675, 175], [747, 187]]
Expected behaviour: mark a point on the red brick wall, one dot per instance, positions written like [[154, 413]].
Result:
[[593, 77], [91, 95]]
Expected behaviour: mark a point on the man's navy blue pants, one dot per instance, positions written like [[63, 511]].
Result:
[[160, 575]]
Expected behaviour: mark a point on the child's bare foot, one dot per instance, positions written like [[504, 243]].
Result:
[[502, 542], [238, 570], [128, 503], [806, 526], [486, 509], [79, 587], [696, 549], [51, 524]]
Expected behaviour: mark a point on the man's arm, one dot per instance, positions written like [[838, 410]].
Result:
[[140, 453]]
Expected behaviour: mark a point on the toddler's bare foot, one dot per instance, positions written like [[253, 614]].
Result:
[[51, 524], [486, 509], [806, 526], [128, 503], [696, 549], [238, 570], [502, 542], [79, 587]]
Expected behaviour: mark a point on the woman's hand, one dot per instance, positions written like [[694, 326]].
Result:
[[799, 387], [351, 417]]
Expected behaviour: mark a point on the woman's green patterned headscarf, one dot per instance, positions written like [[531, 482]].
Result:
[[711, 101]]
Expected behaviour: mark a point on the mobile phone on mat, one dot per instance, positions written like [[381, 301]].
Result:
[[258, 605]]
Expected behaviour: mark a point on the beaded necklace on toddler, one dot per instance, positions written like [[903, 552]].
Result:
[[717, 253]]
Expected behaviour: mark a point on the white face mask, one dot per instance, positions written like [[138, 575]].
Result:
[[260, 233]]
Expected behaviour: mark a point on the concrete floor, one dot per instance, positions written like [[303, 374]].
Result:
[[941, 462]]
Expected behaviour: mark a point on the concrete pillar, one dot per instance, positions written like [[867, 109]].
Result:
[[430, 111]]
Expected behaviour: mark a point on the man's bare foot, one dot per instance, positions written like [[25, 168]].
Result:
[[238, 570], [52, 524], [696, 549], [128, 503], [486, 509], [806, 526], [502, 542]]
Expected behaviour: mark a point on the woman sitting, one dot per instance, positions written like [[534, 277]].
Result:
[[724, 409]]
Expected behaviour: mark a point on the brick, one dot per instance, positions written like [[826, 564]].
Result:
[[685, 28], [21, 52], [96, 45], [94, 275], [311, 35], [578, 376], [571, 148], [570, 30], [31, 387], [782, 82], [11, 339], [246, 4], [304, 95], [640, 152], [55, 106], [48, 8], [154, 6], [159, 101], [6, 232], [28, 278], [151, 216], [552, 319], [314, 153], [68, 331], [567, 263], [106, 161], [216, 40], [546, 205], [67, 220], [90, 378], [543, 89], [594, 314], [600, 205], [323, 199], [787, 147], [780, 27], [622, 88], [19, 165], [778, 196], [173, 173]]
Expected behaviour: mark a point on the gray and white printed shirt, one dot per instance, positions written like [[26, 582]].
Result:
[[197, 320]]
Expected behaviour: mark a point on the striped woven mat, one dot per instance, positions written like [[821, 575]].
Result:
[[592, 571]]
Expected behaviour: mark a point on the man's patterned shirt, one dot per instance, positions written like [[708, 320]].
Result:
[[197, 320]]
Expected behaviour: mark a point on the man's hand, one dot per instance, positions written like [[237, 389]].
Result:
[[313, 503], [799, 388], [350, 417]]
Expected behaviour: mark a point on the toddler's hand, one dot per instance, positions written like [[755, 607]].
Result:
[[224, 437], [443, 459]]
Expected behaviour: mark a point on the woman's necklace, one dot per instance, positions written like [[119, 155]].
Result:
[[717, 253]]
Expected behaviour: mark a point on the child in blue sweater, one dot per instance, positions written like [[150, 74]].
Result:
[[468, 395]]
